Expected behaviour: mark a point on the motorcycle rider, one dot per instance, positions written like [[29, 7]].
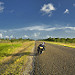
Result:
[[42, 48], [43, 45]]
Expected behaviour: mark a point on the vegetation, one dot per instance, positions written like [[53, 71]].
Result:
[[6, 49], [69, 42], [14, 55], [14, 40], [63, 40]]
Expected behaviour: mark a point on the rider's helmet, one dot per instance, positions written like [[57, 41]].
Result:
[[43, 43]]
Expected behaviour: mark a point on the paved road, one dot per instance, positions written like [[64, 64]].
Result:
[[55, 60]]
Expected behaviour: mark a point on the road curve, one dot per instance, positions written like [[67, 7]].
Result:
[[55, 60]]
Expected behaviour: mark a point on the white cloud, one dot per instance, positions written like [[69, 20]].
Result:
[[70, 31], [72, 28], [31, 28], [35, 28], [47, 36], [3, 31], [39, 28], [66, 11], [1, 3], [11, 11], [1, 7], [74, 4], [11, 36], [25, 36], [47, 28], [48, 8], [36, 34], [6, 36], [1, 35]]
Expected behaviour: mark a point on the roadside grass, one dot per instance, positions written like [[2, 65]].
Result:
[[72, 45], [19, 54], [6, 49]]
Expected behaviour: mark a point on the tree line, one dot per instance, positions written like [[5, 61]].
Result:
[[14, 40], [64, 40]]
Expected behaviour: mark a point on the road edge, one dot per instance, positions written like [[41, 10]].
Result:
[[30, 63]]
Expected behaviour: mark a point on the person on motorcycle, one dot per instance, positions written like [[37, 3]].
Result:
[[43, 44], [41, 48]]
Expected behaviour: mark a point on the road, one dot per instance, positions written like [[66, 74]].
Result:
[[55, 60]]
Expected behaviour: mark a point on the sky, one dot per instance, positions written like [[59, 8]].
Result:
[[37, 19]]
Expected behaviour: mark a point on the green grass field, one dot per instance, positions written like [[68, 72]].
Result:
[[13, 57], [6, 49]]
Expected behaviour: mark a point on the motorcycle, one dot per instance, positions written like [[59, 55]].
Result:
[[40, 49]]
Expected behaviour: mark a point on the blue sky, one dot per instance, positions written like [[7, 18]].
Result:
[[37, 19]]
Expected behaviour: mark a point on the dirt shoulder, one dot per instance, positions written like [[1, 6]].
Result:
[[29, 64]]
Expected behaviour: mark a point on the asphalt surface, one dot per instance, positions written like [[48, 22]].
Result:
[[55, 60]]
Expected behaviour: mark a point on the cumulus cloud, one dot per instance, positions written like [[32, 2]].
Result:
[[48, 36], [6, 36], [47, 9], [1, 7], [25, 36], [66, 11], [36, 34], [11, 36], [1, 35]]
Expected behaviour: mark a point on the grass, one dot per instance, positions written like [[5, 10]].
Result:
[[18, 57], [72, 45], [6, 49]]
